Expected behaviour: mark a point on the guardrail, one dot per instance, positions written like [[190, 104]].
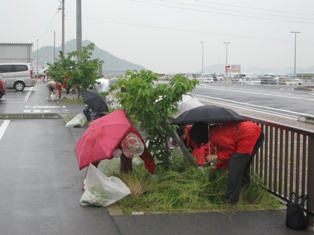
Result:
[[285, 162]]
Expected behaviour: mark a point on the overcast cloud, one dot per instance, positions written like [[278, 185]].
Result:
[[165, 36]]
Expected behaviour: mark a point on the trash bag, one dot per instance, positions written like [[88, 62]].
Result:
[[53, 96], [110, 166], [101, 190], [78, 121]]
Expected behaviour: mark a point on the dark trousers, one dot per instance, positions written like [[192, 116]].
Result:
[[239, 172], [87, 114]]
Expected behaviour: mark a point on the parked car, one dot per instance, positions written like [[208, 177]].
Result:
[[238, 78], [206, 78], [17, 75], [2, 87], [219, 78], [294, 78], [287, 81], [251, 80], [268, 80]]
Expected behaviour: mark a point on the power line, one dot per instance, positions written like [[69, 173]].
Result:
[[190, 31], [254, 8], [246, 12], [221, 13]]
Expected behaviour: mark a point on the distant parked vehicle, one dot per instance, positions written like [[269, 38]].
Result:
[[2, 87], [268, 80], [238, 78], [287, 81], [206, 78], [251, 80], [17, 75], [293, 78], [219, 78]]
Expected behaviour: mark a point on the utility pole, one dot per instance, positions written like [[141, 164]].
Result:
[[295, 50], [54, 46], [226, 59], [37, 63], [63, 27], [202, 58], [78, 25]]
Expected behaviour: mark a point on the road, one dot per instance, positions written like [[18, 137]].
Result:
[[278, 100], [271, 99]]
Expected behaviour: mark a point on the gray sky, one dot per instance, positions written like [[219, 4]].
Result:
[[165, 36]]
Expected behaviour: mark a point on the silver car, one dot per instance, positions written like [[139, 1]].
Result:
[[17, 75]]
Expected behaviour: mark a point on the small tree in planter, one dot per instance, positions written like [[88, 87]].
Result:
[[152, 105]]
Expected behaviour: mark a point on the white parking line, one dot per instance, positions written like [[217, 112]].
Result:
[[3, 127], [28, 95]]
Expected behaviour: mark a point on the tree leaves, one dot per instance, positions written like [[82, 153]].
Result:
[[152, 104]]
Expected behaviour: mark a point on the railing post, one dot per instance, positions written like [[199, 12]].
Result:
[[310, 179]]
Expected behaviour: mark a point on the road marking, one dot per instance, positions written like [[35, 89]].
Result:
[[28, 95], [3, 127], [44, 109], [284, 95], [258, 108]]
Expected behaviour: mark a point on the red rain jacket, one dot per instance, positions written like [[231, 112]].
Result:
[[232, 137]]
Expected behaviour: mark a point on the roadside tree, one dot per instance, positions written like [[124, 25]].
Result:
[[79, 66], [61, 67], [152, 105]]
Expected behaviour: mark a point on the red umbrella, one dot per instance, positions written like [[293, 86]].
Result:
[[102, 137]]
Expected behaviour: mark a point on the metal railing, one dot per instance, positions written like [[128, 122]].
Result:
[[285, 162]]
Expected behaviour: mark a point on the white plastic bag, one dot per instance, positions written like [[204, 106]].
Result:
[[53, 96], [109, 166], [101, 190], [78, 120]]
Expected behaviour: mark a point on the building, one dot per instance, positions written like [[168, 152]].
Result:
[[16, 52]]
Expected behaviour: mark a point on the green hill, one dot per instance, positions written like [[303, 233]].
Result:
[[112, 65]]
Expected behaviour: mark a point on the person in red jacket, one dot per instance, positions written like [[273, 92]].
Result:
[[235, 144]]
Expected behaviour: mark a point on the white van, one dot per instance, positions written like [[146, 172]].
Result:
[[17, 75]]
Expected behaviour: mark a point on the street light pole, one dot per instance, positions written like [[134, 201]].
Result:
[[295, 50], [37, 63], [226, 58], [202, 58]]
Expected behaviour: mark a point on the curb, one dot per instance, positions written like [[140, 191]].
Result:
[[30, 116]]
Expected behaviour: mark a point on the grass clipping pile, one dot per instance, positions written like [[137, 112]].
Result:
[[188, 189]]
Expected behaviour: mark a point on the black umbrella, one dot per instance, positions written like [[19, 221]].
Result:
[[208, 113], [96, 102]]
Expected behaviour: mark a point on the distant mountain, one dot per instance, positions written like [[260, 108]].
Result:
[[112, 65], [116, 66]]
